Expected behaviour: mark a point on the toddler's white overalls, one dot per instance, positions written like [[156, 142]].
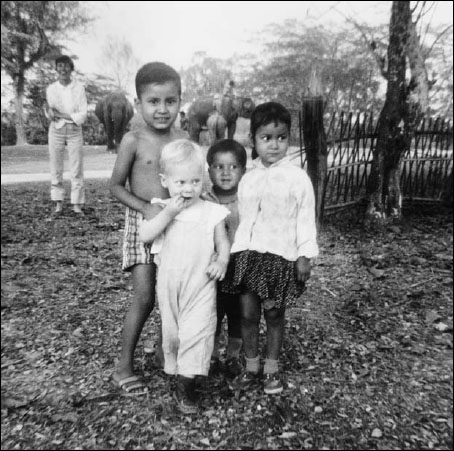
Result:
[[186, 295]]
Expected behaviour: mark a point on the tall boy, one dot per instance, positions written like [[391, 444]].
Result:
[[158, 88]]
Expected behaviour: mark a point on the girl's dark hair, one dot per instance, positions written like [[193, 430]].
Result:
[[64, 59], [158, 73], [266, 113], [228, 145]]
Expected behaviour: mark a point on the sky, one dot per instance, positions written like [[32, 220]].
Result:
[[172, 31]]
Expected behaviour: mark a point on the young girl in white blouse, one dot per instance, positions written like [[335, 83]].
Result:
[[192, 251], [274, 242]]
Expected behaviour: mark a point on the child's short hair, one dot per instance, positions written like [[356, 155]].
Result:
[[158, 73], [65, 59], [269, 112], [266, 113], [228, 145], [181, 151]]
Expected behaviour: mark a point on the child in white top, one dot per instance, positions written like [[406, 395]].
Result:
[[192, 251], [274, 242]]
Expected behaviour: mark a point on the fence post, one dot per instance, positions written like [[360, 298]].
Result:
[[315, 142]]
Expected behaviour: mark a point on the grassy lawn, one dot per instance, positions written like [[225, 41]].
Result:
[[367, 357], [35, 159]]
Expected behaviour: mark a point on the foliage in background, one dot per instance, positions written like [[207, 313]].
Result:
[[36, 124], [439, 63], [119, 63], [205, 76], [293, 51], [347, 60], [31, 31]]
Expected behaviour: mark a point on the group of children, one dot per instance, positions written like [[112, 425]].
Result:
[[241, 246]]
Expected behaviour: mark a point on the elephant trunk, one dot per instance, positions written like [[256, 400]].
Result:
[[118, 123], [216, 124]]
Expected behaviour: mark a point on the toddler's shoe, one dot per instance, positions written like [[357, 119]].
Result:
[[233, 367], [244, 380], [202, 384], [272, 384], [58, 211], [185, 395]]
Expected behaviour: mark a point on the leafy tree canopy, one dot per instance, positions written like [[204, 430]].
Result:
[[348, 62], [32, 29]]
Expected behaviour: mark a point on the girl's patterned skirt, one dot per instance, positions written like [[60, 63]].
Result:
[[271, 277]]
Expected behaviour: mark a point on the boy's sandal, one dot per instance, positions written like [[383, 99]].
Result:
[[131, 385]]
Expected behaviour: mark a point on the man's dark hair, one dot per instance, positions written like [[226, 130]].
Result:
[[64, 59], [225, 146], [158, 73]]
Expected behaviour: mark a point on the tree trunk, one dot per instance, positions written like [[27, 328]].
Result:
[[21, 137], [393, 133]]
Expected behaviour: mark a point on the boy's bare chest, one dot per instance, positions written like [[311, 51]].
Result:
[[148, 162], [147, 158], [144, 178]]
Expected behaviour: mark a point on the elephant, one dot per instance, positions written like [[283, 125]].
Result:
[[218, 114], [114, 111]]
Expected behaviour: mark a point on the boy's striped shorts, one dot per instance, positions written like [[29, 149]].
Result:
[[135, 251]]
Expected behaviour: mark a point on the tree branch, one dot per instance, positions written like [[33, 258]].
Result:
[[437, 39], [371, 45], [43, 47]]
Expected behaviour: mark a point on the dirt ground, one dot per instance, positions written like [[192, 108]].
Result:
[[367, 356]]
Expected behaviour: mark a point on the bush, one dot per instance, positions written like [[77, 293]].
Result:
[[93, 131], [8, 131], [36, 130]]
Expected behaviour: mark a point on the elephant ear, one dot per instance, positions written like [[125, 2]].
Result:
[[99, 110], [129, 110]]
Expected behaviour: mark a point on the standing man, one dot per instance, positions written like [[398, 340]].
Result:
[[66, 108]]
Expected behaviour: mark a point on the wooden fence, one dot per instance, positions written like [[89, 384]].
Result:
[[351, 140], [429, 161]]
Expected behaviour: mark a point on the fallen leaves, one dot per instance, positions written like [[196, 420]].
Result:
[[367, 354], [287, 435], [376, 433], [377, 273]]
